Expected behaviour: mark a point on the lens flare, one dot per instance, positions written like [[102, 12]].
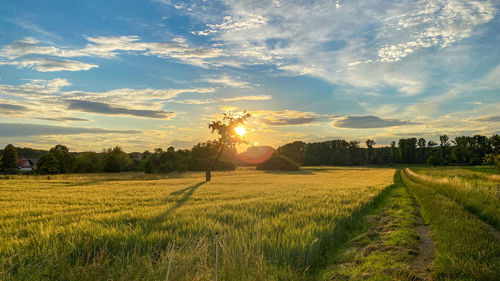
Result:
[[240, 130]]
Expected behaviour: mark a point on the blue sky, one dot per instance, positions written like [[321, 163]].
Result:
[[146, 74]]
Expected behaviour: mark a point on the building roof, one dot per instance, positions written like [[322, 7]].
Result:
[[24, 163]]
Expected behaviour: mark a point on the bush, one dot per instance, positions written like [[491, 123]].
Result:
[[224, 166], [433, 160], [497, 161], [278, 163], [202, 164], [489, 159]]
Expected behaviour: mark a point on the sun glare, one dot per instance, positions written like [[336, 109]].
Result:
[[240, 130]]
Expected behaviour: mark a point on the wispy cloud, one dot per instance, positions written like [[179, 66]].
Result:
[[108, 47], [149, 99], [103, 108], [488, 119], [51, 65], [288, 117], [367, 122], [27, 130], [433, 23], [41, 98], [366, 36], [219, 100], [228, 81], [34, 88], [12, 109]]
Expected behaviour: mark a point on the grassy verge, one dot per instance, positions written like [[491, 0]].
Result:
[[475, 192], [465, 249], [384, 250]]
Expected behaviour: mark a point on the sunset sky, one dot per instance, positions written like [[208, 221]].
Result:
[[146, 74]]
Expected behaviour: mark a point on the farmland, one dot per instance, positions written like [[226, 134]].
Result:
[[318, 223], [272, 226]]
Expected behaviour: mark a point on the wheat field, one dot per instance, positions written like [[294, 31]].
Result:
[[271, 226]]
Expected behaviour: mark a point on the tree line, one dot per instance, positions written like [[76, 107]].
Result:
[[59, 160], [463, 150]]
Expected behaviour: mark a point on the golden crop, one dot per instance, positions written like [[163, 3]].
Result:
[[120, 227]]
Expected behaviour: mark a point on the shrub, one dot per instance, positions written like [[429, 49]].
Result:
[[489, 159], [433, 160], [224, 166], [278, 162], [497, 161]]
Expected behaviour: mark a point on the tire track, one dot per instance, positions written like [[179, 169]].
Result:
[[490, 227], [424, 258]]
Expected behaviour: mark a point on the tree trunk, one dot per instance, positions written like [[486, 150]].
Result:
[[208, 173]]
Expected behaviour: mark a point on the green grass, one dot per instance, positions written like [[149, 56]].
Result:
[[273, 226], [465, 249], [385, 249], [477, 192]]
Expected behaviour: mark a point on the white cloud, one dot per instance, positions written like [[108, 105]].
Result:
[[342, 43], [34, 88], [108, 47], [219, 100], [137, 98], [30, 46], [44, 99], [434, 23], [50, 65], [228, 81]]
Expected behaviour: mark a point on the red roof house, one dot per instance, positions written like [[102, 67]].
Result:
[[25, 165]]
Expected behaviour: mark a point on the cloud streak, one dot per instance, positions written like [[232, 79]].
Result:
[[103, 108], [28, 130], [221, 100], [367, 122], [106, 47], [52, 65]]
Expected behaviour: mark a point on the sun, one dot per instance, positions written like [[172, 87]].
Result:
[[240, 130]]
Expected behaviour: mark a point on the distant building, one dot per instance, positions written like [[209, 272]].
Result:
[[25, 165]]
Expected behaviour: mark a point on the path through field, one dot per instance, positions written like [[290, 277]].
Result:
[[425, 253], [466, 247]]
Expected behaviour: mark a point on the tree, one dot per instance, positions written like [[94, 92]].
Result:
[[443, 145], [228, 137], [394, 153], [293, 151], [421, 145], [495, 143], [115, 160], [370, 152], [408, 149], [48, 164], [87, 162], [64, 158], [9, 159]]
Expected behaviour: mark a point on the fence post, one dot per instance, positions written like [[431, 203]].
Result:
[[216, 256], [170, 260]]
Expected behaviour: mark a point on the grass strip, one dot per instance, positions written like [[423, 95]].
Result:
[[479, 201], [385, 249], [465, 249]]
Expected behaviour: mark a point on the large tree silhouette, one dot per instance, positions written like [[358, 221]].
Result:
[[228, 137]]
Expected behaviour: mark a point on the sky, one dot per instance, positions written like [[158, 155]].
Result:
[[146, 74]]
